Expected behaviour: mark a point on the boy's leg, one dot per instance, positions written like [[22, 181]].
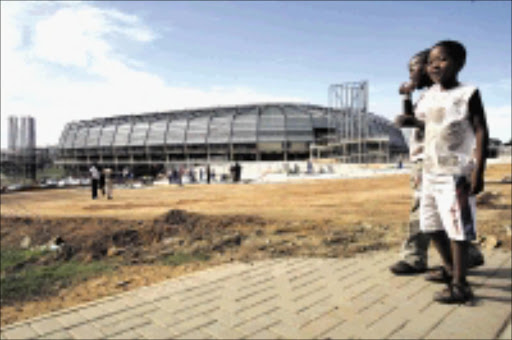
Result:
[[442, 244], [458, 212], [458, 290], [431, 222], [414, 249], [460, 261]]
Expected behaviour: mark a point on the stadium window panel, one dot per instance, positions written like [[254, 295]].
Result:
[[107, 135], [297, 120], [220, 128], [157, 131], [69, 138], [244, 127], [138, 134], [272, 119], [93, 136], [176, 131], [272, 125], [197, 130], [122, 134], [81, 137]]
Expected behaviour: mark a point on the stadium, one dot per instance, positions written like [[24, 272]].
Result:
[[258, 132]]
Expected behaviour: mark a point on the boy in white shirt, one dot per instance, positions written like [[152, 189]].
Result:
[[414, 255], [455, 125]]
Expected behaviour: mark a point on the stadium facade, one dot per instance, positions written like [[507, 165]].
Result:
[[257, 132]]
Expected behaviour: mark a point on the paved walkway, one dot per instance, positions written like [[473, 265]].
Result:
[[290, 298]]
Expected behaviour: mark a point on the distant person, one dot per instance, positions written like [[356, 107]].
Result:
[[309, 167], [169, 176], [208, 174], [414, 255], [101, 182], [232, 173], [192, 174], [175, 174], [108, 182], [180, 175], [238, 172], [126, 174], [454, 120], [95, 176]]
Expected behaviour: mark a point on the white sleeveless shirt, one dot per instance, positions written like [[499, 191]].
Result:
[[449, 136]]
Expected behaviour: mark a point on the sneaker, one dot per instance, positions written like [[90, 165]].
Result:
[[455, 293], [404, 268]]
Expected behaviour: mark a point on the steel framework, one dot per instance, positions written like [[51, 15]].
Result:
[[355, 135]]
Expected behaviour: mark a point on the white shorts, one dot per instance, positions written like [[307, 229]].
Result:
[[446, 205]]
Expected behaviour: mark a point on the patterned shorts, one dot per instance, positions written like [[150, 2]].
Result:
[[446, 205]]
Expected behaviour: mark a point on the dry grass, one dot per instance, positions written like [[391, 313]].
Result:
[[310, 213]]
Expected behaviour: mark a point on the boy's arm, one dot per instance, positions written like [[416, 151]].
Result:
[[409, 121], [479, 124], [407, 118], [406, 90]]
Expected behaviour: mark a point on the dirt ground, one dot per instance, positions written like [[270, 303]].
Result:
[[226, 222]]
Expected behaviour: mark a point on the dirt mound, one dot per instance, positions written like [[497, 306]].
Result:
[[92, 238], [192, 221]]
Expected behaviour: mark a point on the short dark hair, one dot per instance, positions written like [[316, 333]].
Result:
[[425, 80], [456, 50], [422, 55]]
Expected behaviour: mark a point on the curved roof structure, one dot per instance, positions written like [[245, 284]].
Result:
[[268, 131], [277, 122]]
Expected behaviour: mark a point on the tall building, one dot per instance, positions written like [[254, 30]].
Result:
[[22, 145], [26, 133], [12, 133]]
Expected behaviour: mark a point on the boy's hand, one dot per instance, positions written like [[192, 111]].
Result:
[[402, 121], [407, 88], [477, 183]]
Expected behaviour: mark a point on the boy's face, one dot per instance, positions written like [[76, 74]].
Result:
[[416, 70], [441, 67]]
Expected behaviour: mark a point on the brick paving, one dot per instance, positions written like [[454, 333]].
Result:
[[290, 298]]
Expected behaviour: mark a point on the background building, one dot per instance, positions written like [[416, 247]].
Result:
[[12, 133], [22, 133], [259, 132], [20, 158]]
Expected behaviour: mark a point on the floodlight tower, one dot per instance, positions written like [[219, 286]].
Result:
[[348, 108]]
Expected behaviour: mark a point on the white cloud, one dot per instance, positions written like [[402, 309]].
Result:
[[501, 85], [499, 121], [46, 47]]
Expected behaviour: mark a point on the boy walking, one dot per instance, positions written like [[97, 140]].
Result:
[[414, 255], [455, 125]]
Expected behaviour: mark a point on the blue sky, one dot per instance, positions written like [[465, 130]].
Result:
[[64, 61]]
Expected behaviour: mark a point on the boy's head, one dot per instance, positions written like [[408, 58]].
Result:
[[445, 60], [418, 69]]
